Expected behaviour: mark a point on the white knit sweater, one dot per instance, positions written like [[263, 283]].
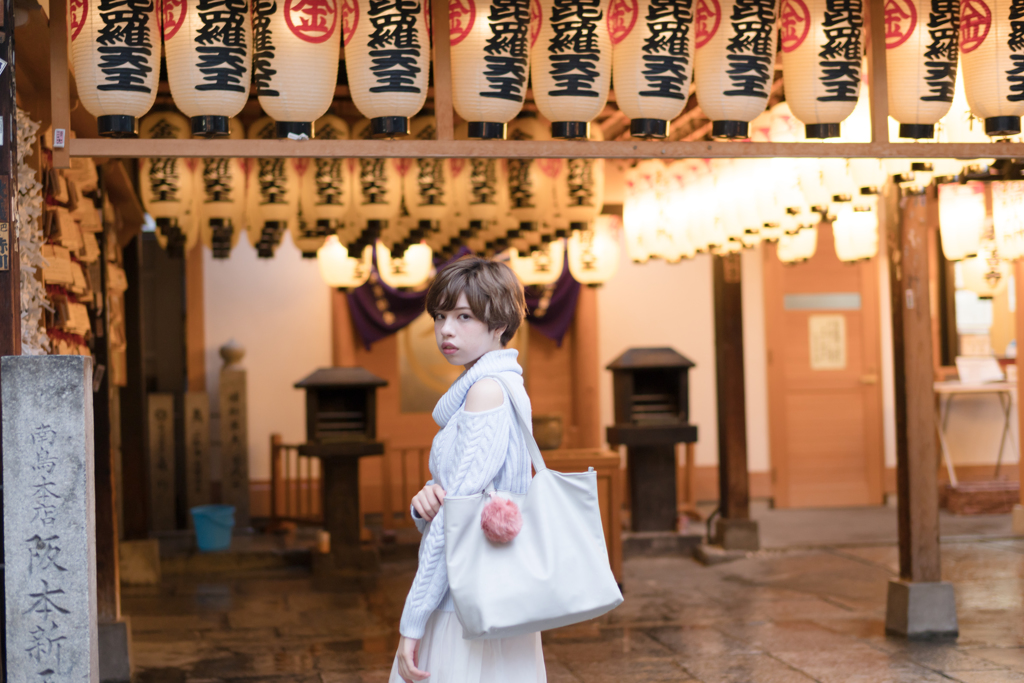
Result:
[[471, 450]]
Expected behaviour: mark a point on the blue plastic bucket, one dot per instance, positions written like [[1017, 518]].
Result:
[[213, 526]]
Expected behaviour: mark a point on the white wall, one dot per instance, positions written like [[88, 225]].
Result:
[[661, 304], [280, 311]]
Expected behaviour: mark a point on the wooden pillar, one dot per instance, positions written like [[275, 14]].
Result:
[[735, 530], [10, 271], [343, 339], [195, 320], [60, 89], [134, 422], [919, 603], [586, 371], [1018, 511]]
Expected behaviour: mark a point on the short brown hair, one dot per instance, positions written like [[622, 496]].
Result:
[[492, 289]]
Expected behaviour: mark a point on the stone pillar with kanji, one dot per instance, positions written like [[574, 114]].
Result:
[[234, 440]]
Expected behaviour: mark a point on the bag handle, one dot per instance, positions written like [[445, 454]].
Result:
[[531, 443]]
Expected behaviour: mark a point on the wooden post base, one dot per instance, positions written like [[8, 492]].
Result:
[[1018, 520], [115, 646], [652, 487], [737, 534], [921, 610]]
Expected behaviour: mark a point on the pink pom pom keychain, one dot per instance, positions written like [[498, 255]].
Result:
[[501, 519]]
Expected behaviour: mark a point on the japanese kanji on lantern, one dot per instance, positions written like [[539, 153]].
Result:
[[208, 47], [652, 42], [490, 46], [387, 58], [571, 64], [579, 190], [376, 194], [821, 55], [735, 62], [427, 189], [167, 184], [220, 200], [992, 57], [296, 45], [531, 192], [920, 62], [273, 194], [325, 191], [115, 50]]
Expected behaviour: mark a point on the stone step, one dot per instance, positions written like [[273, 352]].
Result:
[[659, 543]]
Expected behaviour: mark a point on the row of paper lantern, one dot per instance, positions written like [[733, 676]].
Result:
[[290, 50], [409, 207]]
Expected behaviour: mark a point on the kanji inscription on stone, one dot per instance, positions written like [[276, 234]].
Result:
[[234, 443], [197, 448], [162, 516]]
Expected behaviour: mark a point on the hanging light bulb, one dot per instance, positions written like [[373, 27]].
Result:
[[408, 272], [962, 217], [855, 233], [1008, 218], [542, 266], [340, 270], [594, 253], [799, 247]]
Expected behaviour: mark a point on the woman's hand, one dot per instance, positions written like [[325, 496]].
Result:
[[407, 651], [427, 502]]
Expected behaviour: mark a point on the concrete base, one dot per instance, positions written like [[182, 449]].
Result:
[[737, 534], [140, 562], [659, 544], [919, 610], [710, 555], [115, 646], [1018, 520]]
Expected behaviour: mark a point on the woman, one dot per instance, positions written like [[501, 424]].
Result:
[[477, 306]]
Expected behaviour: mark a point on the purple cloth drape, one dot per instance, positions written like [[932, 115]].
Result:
[[379, 310]]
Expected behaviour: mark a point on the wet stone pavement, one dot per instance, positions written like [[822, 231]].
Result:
[[774, 617]]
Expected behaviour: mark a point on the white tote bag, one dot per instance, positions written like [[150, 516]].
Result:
[[555, 572]]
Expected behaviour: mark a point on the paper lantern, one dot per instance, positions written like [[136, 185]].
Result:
[[735, 62], [855, 233], [376, 193], [115, 50], [273, 190], [986, 274], [209, 54], [542, 266], [490, 57], [821, 55], [531, 192], [325, 191], [221, 198], [920, 61], [642, 215], [340, 270], [481, 191], [1008, 218], [652, 46], [992, 50], [427, 191], [579, 191], [572, 64], [409, 271], [387, 58], [167, 184], [296, 45], [594, 253], [962, 217], [799, 247]]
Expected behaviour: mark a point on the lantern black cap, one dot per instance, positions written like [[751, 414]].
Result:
[[1002, 125], [389, 126], [577, 225], [286, 128], [820, 131], [210, 126], [486, 130], [570, 130], [869, 190], [429, 226], [648, 128], [732, 130], [527, 226], [118, 126], [917, 131]]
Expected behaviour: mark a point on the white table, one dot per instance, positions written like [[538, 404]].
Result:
[[946, 391]]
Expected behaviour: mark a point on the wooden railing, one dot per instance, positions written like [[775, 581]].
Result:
[[295, 494]]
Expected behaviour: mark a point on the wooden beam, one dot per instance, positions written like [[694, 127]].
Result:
[[917, 449], [444, 112], [343, 337], [876, 71], [522, 149], [733, 479], [60, 90]]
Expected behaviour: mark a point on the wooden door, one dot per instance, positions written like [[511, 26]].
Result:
[[824, 394]]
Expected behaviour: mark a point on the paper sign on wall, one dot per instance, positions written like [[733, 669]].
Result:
[[828, 342]]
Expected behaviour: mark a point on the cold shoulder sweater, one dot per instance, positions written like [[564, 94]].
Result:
[[471, 450]]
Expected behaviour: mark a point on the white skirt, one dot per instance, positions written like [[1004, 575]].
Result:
[[449, 658]]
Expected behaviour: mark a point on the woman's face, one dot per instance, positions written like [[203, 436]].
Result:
[[462, 337]]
